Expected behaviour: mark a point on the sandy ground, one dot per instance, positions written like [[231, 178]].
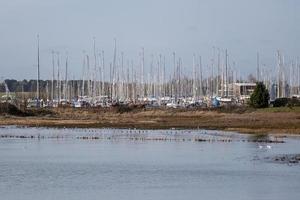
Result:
[[279, 122]]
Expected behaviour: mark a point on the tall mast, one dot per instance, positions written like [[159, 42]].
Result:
[[58, 78], [212, 72], [218, 75], [226, 73], [66, 79], [298, 76], [278, 76], [164, 77], [88, 76], [95, 69], [174, 77], [127, 85], [102, 73], [142, 75], [133, 83], [52, 85], [212, 78], [194, 77], [160, 76], [38, 69], [257, 72], [113, 70], [283, 77], [201, 76], [83, 76], [110, 82], [152, 75], [222, 80], [121, 77]]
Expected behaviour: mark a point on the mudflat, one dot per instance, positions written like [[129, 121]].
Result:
[[270, 120]]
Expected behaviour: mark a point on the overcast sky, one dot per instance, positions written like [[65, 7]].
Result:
[[244, 27]]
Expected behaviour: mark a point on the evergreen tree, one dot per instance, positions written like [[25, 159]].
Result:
[[260, 97]]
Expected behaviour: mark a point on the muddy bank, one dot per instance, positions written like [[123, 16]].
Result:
[[245, 121], [290, 159]]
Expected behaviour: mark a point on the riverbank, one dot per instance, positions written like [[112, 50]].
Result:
[[271, 120]]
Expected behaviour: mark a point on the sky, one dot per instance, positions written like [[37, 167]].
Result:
[[186, 27]]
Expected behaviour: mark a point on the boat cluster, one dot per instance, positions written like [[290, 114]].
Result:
[[148, 102]]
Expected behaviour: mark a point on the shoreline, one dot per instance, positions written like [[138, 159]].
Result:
[[279, 122]]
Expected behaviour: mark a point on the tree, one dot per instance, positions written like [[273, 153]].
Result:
[[260, 97]]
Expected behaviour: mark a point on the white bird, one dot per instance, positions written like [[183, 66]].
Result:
[[266, 147]]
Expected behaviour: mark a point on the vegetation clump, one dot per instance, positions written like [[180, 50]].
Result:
[[40, 112], [260, 97], [10, 109], [281, 102], [289, 102]]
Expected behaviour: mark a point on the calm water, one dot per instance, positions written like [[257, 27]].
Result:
[[133, 164]]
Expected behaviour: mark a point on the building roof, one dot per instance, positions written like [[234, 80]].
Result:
[[245, 84]]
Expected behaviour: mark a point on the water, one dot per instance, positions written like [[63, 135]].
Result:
[[134, 164]]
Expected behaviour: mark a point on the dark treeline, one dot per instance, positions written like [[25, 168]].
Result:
[[46, 85], [22, 86], [76, 85], [124, 89]]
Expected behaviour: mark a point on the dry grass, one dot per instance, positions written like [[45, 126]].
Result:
[[259, 121]]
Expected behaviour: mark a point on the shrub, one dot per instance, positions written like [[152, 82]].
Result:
[[10, 109], [280, 102], [290, 102], [124, 108], [260, 97]]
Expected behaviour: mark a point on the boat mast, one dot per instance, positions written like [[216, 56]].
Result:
[[58, 78], [83, 75], [52, 84], [95, 70], [113, 70], [257, 72], [226, 73], [174, 78], [88, 76], [218, 75], [102, 74], [164, 77], [194, 77], [122, 77], [201, 77], [142, 75], [66, 80], [212, 72], [278, 75], [298, 76], [38, 69]]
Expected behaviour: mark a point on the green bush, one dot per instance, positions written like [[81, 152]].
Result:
[[295, 102], [260, 97], [283, 102], [280, 102]]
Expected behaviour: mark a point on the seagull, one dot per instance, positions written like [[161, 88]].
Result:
[[266, 147]]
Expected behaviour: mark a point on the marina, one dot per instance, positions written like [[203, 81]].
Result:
[[157, 83], [149, 100]]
